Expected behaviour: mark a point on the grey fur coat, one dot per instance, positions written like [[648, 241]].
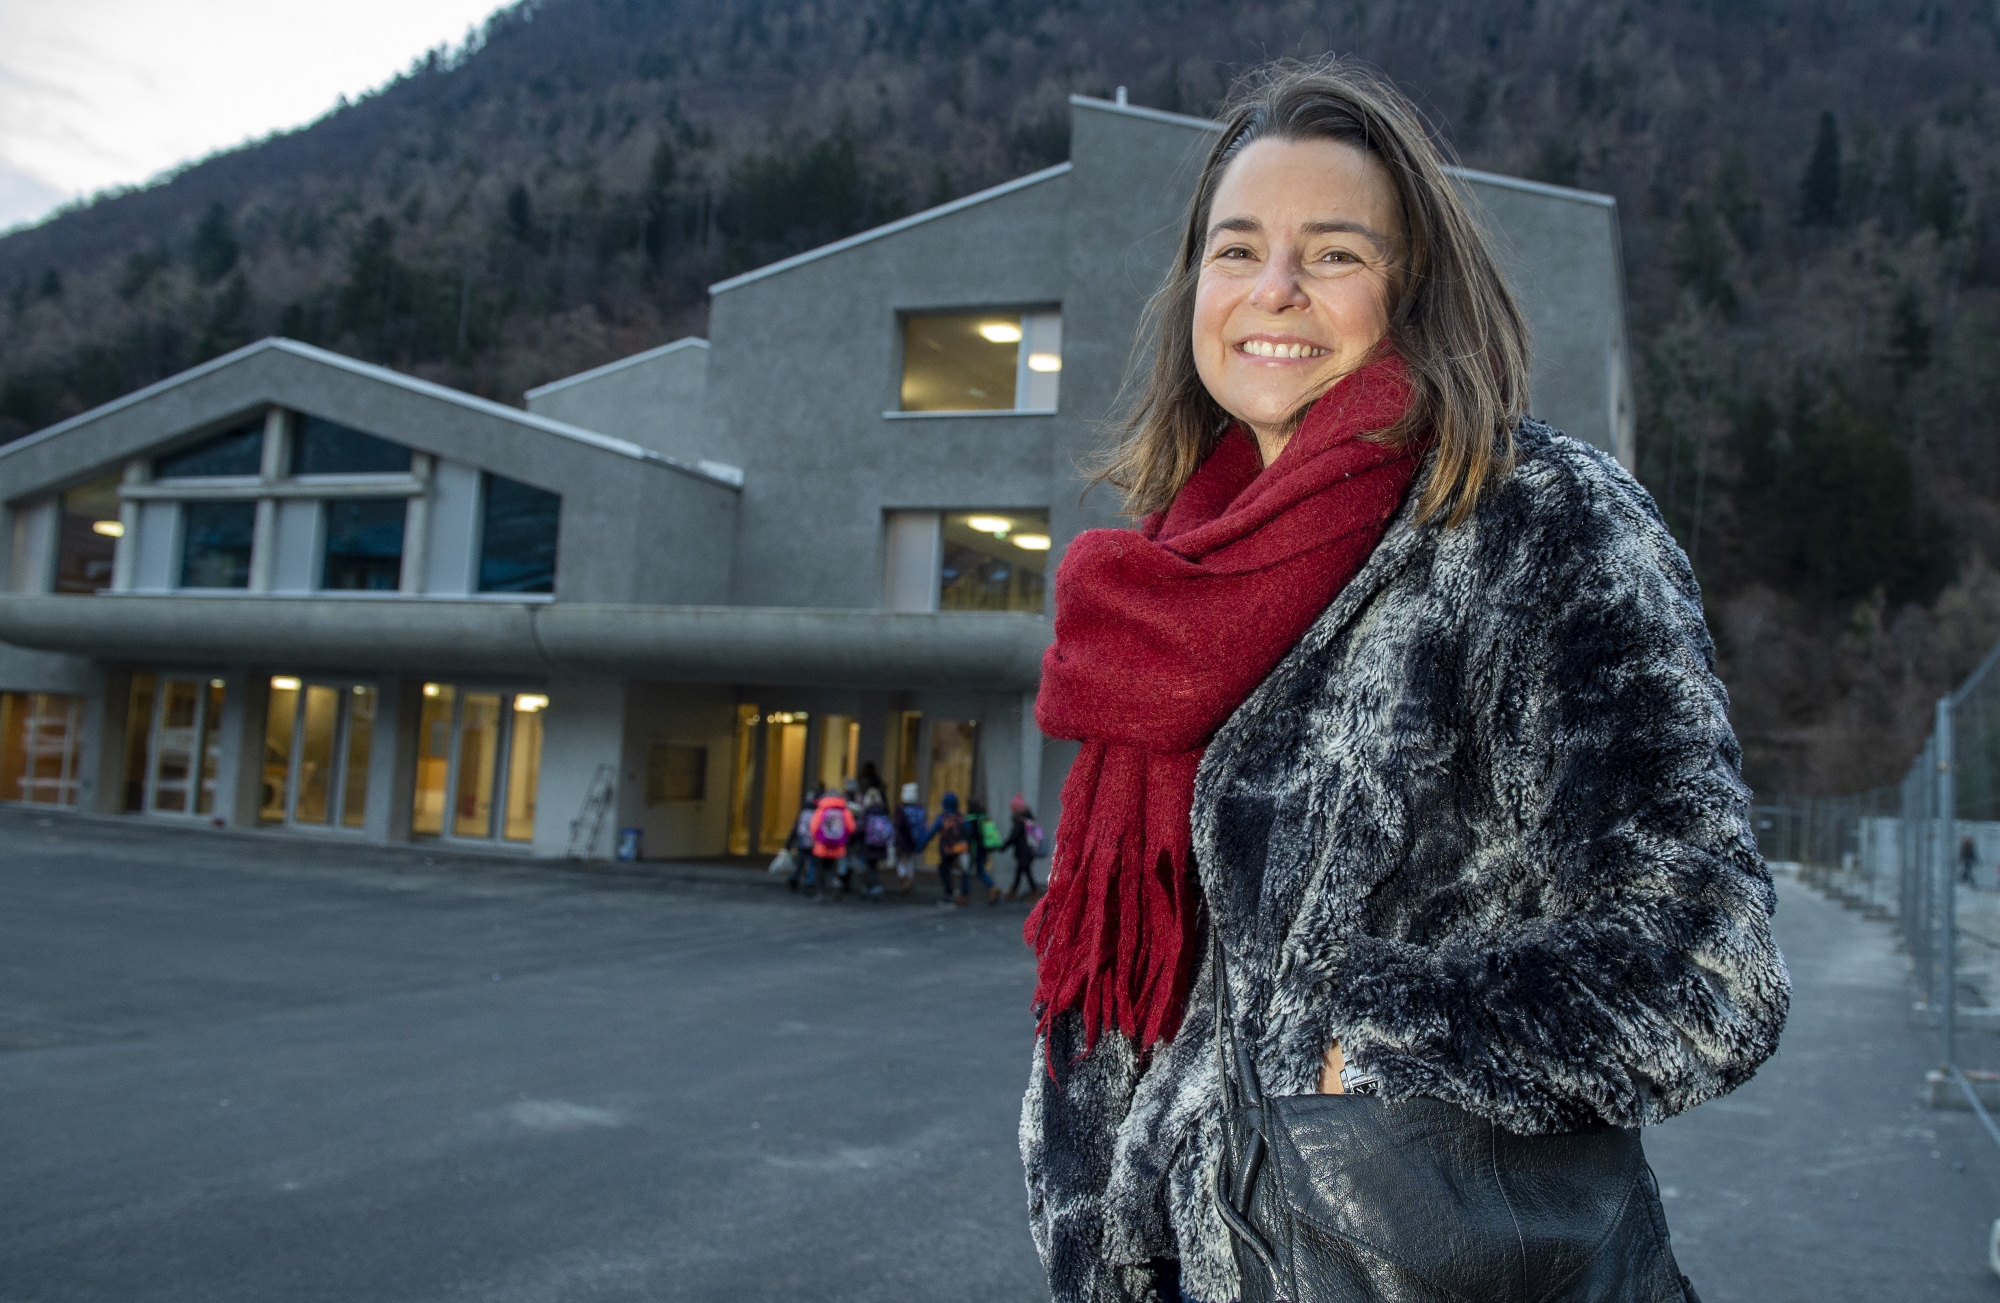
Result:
[[1483, 825]]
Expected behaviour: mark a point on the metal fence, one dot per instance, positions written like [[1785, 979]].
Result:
[[1925, 854]]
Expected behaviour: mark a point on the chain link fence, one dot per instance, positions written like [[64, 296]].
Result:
[[1924, 854]]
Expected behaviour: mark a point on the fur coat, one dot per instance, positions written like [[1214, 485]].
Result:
[[1484, 826]]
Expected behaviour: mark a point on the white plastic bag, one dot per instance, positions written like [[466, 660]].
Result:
[[781, 862]]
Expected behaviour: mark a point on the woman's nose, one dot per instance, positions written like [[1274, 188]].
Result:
[[1279, 286]]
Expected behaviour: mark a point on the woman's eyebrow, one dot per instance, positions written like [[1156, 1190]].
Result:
[[1328, 226]]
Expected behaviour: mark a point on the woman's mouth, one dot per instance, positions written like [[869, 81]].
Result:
[[1269, 348]]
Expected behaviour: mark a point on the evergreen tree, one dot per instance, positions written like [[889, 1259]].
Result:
[[215, 246], [1819, 191]]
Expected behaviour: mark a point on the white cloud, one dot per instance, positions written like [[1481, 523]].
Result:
[[97, 93]]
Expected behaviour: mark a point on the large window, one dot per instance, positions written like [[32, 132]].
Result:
[[994, 561], [215, 544], [41, 740], [173, 744], [479, 764], [981, 361], [318, 739], [235, 452], [517, 539], [364, 544], [319, 447], [90, 533]]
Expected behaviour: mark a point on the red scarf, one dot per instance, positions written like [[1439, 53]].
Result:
[[1160, 635]]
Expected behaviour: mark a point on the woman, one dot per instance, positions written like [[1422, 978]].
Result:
[[1398, 700]]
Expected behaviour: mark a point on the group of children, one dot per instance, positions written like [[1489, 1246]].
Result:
[[842, 839]]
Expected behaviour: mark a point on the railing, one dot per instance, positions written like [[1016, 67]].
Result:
[[1925, 854]]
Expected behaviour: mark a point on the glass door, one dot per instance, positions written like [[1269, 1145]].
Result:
[[317, 739], [784, 775], [479, 756], [184, 746]]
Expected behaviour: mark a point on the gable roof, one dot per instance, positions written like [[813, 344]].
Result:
[[370, 373], [599, 372]]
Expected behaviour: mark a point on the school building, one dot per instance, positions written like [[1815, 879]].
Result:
[[290, 590]]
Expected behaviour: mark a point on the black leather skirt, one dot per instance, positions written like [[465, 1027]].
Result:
[[1349, 1199]]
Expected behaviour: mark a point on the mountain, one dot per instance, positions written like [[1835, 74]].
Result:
[[1807, 190]]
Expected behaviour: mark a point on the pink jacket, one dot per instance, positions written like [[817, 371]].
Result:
[[823, 848]]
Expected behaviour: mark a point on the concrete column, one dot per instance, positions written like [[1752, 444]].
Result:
[[583, 728], [264, 541], [1031, 753], [392, 763], [126, 555], [104, 728], [97, 708], [239, 777], [417, 527]]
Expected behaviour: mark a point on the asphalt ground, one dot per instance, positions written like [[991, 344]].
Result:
[[238, 1068]]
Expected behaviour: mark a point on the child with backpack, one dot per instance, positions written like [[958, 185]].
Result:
[[1024, 838], [954, 839], [832, 828], [985, 838], [799, 845], [911, 823], [878, 838]]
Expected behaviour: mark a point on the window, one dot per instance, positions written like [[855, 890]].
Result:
[[317, 742], [364, 544], [517, 540], [179, 757], [236, 452], [981, 361], [215, 544], [41, 740], [479, 764], [322, 448], [91, 529], [675, 772], [994, 561]]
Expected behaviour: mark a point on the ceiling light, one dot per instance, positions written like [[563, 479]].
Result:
[[430, 689], [527, 703], [284, 683], [995, 525], [1044, 362], [1000, 332], [1032, 542], [216, 683], [108, 528]]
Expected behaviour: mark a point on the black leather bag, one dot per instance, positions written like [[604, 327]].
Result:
[[1353, 1199]]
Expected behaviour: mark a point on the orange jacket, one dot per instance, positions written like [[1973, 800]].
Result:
[[823, 848]]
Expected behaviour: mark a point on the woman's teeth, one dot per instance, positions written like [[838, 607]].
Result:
[[1264, 348]]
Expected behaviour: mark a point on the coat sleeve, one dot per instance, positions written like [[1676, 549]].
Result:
[[1632, 974]]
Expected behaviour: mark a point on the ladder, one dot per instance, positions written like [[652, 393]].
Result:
[[589, 822]]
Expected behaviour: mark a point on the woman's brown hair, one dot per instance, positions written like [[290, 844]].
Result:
[[1453, 318]]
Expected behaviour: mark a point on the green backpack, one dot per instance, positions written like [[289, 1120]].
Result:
[[989, 834]]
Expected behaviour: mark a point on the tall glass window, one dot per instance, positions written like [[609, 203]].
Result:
[[320, 447], [41, 737], [517, 540], [433, 759], [360, 741], [524, 766], [743, 772], [90, 532], [280, 723], [215, 544], [478, 745], [185, 746], [364, 544], [994, 561], [317, 740], [235, 452]]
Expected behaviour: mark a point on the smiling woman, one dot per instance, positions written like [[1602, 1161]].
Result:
[[1404, 868]]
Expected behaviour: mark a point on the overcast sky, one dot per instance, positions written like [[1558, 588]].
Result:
[[97, 93]]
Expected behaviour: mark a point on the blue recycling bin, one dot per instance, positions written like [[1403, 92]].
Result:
[[630, 841]]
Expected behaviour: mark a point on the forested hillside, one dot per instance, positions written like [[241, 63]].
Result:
[[1807, 191]]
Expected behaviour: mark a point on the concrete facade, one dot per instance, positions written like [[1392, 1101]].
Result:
[[748, 554]]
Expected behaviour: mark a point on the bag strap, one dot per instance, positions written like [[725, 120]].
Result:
[[1228, 1051], [1234, 1181]]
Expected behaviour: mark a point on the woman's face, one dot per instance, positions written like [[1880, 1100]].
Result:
[[1304, 240]]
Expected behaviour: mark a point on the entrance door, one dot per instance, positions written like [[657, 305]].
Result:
[[784, 775], [479, 764], [318, 738], [184, 747]]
